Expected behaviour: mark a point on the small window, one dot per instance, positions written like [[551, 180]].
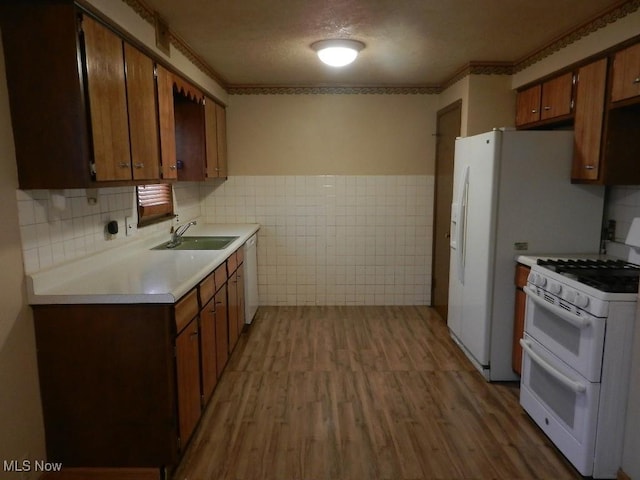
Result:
[[155, 203]]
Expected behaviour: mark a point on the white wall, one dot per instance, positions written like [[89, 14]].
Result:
[[331, 134], [21, 427]]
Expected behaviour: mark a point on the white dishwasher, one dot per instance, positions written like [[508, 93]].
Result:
[[250, 279]]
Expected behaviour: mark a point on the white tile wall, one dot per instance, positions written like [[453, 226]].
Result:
[[325, 240], [61, 225], [331, 239], [623, 204]]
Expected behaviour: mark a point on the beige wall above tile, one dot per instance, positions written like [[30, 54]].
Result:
[[331, 134]]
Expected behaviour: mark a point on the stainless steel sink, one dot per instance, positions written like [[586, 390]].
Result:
[[199, 243]]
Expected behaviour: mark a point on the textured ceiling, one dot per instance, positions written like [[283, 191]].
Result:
[[408, 42]]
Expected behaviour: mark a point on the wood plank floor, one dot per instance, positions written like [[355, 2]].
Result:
[[360, 393]]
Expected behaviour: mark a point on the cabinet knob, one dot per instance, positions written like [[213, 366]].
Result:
[[123, 165], [589, 167], [172, 167], [138, 165], [534, 111], [547, 108], [636, 80]]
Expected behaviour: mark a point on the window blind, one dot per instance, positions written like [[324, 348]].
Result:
[[155, 202]]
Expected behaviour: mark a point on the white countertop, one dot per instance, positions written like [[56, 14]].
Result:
[[134, 273]]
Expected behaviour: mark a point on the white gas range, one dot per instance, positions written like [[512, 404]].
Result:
[[576, 356]]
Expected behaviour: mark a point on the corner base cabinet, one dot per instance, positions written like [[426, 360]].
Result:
[[124, 385]]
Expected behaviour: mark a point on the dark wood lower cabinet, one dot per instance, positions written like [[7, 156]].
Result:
[[222, 328], [123, 386], [108, 384], [188, 377]]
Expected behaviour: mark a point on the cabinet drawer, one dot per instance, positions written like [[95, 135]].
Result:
[[207, 289], [186, 309], [522, 273], [220, 275]]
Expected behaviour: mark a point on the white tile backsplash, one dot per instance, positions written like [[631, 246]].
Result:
[[324, 240], [60, 225], [333, 239], [623, 205]]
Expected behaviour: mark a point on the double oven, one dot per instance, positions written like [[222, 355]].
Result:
[[576, 357]]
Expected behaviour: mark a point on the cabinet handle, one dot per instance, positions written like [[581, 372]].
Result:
[[138, 165], [636, 80], [547, 108], [589, 167], [172, 167], [123, 165], [534, 111]]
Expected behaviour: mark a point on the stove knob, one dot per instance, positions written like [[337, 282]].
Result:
[[555, 288], [537, 279], [569, 295], [581, 300]]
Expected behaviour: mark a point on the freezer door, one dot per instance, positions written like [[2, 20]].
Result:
[[476, 160]]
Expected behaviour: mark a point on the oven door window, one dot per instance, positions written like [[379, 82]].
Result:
[[578, 339], [561, 402]]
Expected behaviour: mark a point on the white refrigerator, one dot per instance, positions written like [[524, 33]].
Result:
[[512, 195]]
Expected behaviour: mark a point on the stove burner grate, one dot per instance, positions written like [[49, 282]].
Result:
[[615, 276]]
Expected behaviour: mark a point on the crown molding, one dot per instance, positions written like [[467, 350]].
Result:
[[331, 90], [148, 14], [611, 15]]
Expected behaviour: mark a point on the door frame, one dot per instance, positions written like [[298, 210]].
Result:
[[457, 105]]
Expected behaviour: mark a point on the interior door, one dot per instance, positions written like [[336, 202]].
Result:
[[448, 128]]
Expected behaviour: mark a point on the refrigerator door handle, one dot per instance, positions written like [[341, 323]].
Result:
[[462, 224]]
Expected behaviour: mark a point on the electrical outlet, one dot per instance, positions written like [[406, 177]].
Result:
[[130, 226]]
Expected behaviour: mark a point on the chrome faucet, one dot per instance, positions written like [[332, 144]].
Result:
[[176, 234]]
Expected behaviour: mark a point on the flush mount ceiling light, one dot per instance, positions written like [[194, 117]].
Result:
[[338, 52]]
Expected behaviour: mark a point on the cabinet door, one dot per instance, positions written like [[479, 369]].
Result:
[[209, 371], [589, 114], [167, 123], [528, 105], [626, 74], [233, 310], [211, 138], [105, 80], [556, 97], [221, 131], [240, 290], [188, 379], [143, 121], [222, 328]]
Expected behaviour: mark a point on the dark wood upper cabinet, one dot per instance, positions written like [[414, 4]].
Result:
[[216, 139], [89, 108], [589, 117], [83, 101], [547, 101], [46, 94], [626, 74]]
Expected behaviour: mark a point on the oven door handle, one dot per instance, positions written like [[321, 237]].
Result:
[[558, 311], [570, 383]]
